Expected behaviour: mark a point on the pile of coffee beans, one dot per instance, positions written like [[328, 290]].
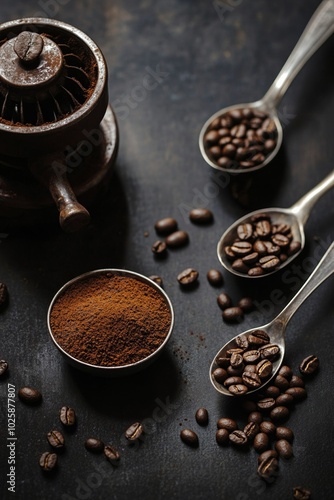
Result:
[[248, 364], [261, 246], [266, 414], [240, 139]]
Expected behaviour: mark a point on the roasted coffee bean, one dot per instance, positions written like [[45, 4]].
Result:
[[220, 375], [166, 226], [252, 380], [284, 433], [188, 277], [249, 260], [269, 262], [94, 445], [269, 351], [30, 395], [298, 393], [3, 367], [227, 423], [67, 416], [272, 391], [280, 240], [236, 360], [134, 431], [258, 338], [250, 368], [281, 382], [111, 454], [252, 356], [284, 448], [224, 301], [241, 248], [238, 438], [159, 247], [238, 389], [261, 442], [245, 231], [234, 350], [222, 437], [294, 247], [246, 304], [266, 404], [285, 371], [3, 295], [177, 239], [296, 381], [285, 400], [201, 216], [309, 365], [189, 437], [255, 416], [156, 279], [223, 361], [55, 439], [235, 371], [259, 247], [263, 228], [232, 381], [251, 430], [267, 468], [242, 342], [267, 454], [48, 461], [256, 271], [267, 427], [202, 416], [28, 46], [232, 314], [279, 413], [215, 278], [264, 368], [300, 493], [240, 266]]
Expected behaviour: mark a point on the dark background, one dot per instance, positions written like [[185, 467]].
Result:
[[210, 56]]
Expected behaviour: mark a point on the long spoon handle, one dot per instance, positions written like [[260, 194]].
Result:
[[318, 29]]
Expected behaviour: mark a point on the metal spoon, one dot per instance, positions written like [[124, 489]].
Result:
[[319, 28], [295, 216], [276, 328]]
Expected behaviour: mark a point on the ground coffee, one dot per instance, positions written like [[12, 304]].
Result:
[[110, 320]]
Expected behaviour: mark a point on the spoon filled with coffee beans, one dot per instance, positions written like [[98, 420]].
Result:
[[263, 242], [246, 137], [251, 359]]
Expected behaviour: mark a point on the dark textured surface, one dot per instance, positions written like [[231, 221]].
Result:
[[207, 56]]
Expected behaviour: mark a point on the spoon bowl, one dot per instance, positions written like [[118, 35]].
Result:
[[295, 217], [318, 29], [276, 328]]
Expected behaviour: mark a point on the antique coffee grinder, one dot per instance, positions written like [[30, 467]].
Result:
[[58, 134]]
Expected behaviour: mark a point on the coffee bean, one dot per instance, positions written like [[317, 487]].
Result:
[[286, 372], [201, 216], [238, 389], [255, 416], [238, 438], [294, 247], [252, 356], [202, 416], [269, 351], [284, 433], [269, 262], [298, 393], [281, 382], [242, 342], [166, 226], [309, 365], [239, 265], [266, 404], [134, 431], [56, 439], [223, 361], [264, 368], [256, 271], [220, 375], [267, 427], [48, 461], [241, 248], [215, 278], [251, 430], [3, 367], [67, 416], [111, 454], [236, 360], [188, 277], [284, 448], [222, 437], [279, 413], [232, 314], [94, 445], [189, 437], [252, 380], [159, 248], [261, 442], [267, 468], [258, 338], [296, 381], [284, 400], [246, 304], [247, 261], [3, 295], [272, 391], [28, 46], [263, 228], [250, 368], [300, 493], [267, 454], [224, 301], [245, 231], [234, 350], [30, 395], [227, 423], [156, 279], [232, 381], [177, 239]]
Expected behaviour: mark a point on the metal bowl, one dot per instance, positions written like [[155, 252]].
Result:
[[112, 371]]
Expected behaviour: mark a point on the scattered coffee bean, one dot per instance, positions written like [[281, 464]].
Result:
[[227, 423], [177, 239], [284, 433], [232, 314], [261, 442], [285, 371], [298, 393], [220, 375], [267, 454], [238, 438], [111, 454], [67, 416], [30, 395], [156, 279], [309, 365], [3, 295], [3, 367], [189, 437], [94, 445], [166, 226], [238, 389], [255, 416], [215, 277], [222, 437], [279, 413], [201, 216], [296, 381], [224, 301], [268, 427], [272, 391], [202, 416], [266, 404], [267, 468], [300, 493], [55, 439], [246, 304], [251, 430], [134, 431], [281, 382], [285, 400], [232, 381], [159, 248], [48, 461], [188, 277], [284, 448]]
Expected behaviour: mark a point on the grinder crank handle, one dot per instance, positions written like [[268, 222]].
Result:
[[50, 170]]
